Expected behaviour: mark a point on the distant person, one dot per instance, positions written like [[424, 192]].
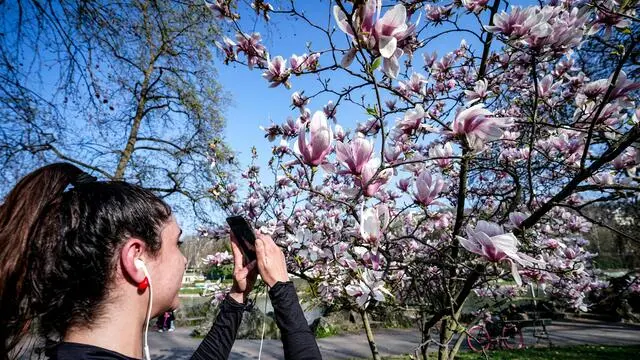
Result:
[[165, 321], [79, 260], [171, 320]]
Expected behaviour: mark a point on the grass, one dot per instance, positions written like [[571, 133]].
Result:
[[582, 352], [190, 291]]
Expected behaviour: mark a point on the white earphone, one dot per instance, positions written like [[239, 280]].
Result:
[[139, 264]]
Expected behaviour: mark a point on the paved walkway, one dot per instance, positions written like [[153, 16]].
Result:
[[179, 345]]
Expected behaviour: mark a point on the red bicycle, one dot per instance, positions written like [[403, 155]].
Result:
[[508, 335]]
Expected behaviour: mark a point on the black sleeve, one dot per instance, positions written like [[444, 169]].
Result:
[[218, 342], [297, 339]]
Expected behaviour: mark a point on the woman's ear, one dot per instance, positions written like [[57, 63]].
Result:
[[133, 249]]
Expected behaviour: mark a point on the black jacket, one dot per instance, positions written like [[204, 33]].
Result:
[[297, 339]]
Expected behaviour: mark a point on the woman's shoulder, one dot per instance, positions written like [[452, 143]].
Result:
[[69, 350]]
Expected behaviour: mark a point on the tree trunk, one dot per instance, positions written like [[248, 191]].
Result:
[[426, 336], [456, 346], [372, 343], [445, 336], [142, 102], [135, 127]]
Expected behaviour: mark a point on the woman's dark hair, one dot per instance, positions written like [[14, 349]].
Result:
[[59, 235]]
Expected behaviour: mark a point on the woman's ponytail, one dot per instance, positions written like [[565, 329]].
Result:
[[59, 246], [22, 208]]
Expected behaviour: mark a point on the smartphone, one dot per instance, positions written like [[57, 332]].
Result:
[[243, 233]]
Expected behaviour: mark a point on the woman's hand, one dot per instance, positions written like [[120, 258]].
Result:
[[244, 275], [271, 263]]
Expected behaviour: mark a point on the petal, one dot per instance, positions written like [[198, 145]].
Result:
[[341, 20], [318, 122], [348, 57], [395, 17], [516, 274], [362, 300], [301, 145], [361, 150], [320, 143], [343, 153], [471, 246], [387, 46], [391, 67]]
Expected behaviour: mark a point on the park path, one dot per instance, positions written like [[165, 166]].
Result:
[[179, 345]]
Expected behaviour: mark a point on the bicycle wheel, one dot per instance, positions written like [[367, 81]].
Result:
[[478, 338], [512, 337]]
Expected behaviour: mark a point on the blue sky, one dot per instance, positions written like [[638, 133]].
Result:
[[255, 104]]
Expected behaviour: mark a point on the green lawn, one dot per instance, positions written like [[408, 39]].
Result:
[[582, 352], [190, 291]]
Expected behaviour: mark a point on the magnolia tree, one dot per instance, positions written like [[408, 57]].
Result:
[[467, 172]]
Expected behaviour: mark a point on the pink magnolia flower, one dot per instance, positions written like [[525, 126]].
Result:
[[511, 24], [603, 179], [442, 153], [277, 72], [546, 86], [390, 104], [627, 160], [373, 222], [380, 34], [355, 155], [339, 134], [271, 131], [478, 126], [429, 59], [291, 127], [319, 145], [261, 6], [330, 110], [623, 86], [252, 48], [415, 85], [635, 119], [403, 184], [390, 29], [479, 92], [490, 241], [412, 120], [369, 127], [303, 62], [221, 9], [438, 14], [218, 259], [475, 6], [299, 101], [609, 18], [228, 47], [516, 218], [428, 187], [391, 64], [392, 153], [297, 63], [578, 224], [371, 286], [371, 183]]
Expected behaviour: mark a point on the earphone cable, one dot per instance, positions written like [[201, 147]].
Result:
[[148, 318], [264, 324]]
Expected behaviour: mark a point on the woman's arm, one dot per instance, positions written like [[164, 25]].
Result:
[[219, 340], [297, 339]]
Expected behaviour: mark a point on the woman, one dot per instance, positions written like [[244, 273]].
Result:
[[88, 263]]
